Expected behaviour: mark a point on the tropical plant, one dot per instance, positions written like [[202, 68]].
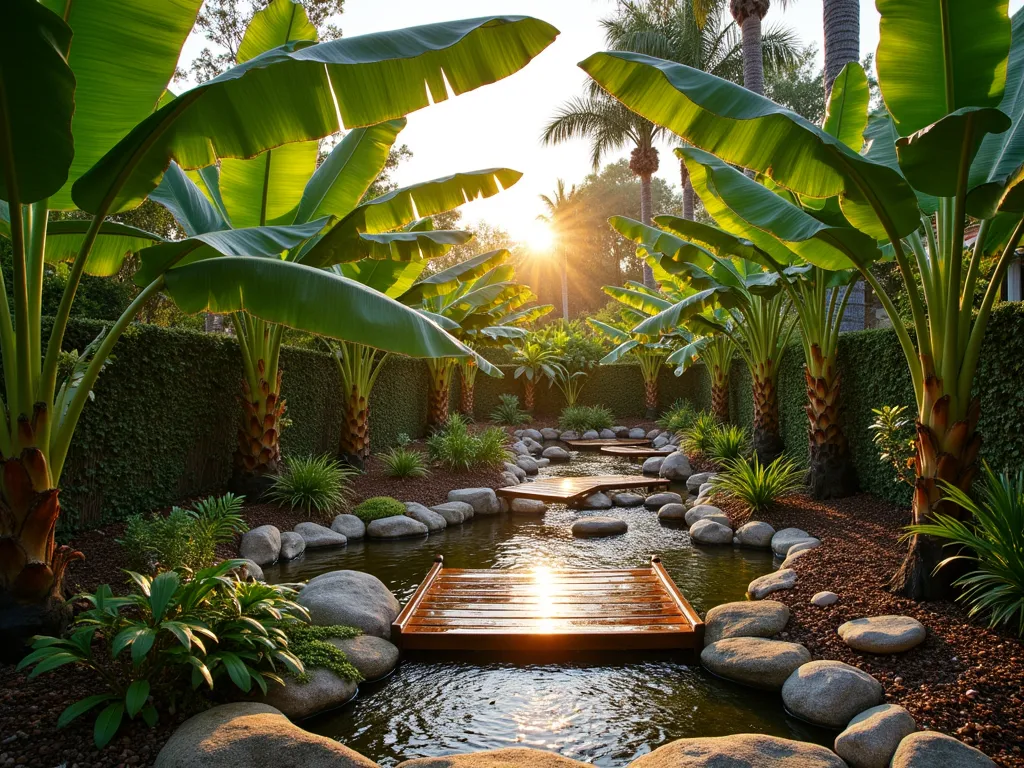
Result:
[[697, 438], [582, 418], [894, 438], [172, 635], [377, 508], [944, 149], [313, 484], [649, 356], [457, 448], [569, 383], [220, 515], [678, 417], [508, 413], [992, 541], [404, 462], [758, 486], [841, 22], [168, 542], [468, 370], [80, 148], [533, 361], [728, 442]]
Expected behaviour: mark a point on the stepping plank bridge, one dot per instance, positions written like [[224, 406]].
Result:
[[633, 451], [594, 445], [573, 490], [549, 610]]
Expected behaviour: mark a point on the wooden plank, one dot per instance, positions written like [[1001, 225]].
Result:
[[583, 445], [570, 489], [631, 451]]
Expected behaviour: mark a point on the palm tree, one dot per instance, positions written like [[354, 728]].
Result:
[[561, 210], [842, 38]]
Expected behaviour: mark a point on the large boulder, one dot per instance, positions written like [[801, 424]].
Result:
[[705, 512], [507, 479], [349, 526], [658, 500], [484, 501], [597, 500], [372, 656], [569, 434], [772, 582], [353, 599], [710, 532], [556, 453], [627, 499], [533, 434], [653, 433], [883, 634], [637, 433], [803, 546], [317, 536], [696, 480], [793, 557], [591, 434], [786, 538], [549, 434], [927, 749], [672, 511], [755, 534], [515, 469], [652, 466], [595, 527], [659, 442], [607, 434], [620, 431], [533, 445], [292, 545], [765, 618], [743, 750], [396, 527], [248, 733], [754, 661], [323, 691], [527, 507], [675, 467], [519, 448], [511, 757], [871, 738], [261, 545], [830, 693], [434, 521], [454, 512], [527, 464]]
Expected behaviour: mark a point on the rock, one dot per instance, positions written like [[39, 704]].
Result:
[[672, 511], [527, 507], [597, 501], [517, 433], [660, 441], [658, 500], [754, 661], [519, 448], [928, 749], [261, 545], [871, 738], [592, 527], [823, 599], [710, 532], [705, 489], [515, 469], [253, 571], [352, 598], [695, 481], [755, 534], [883, 634], [621, 432], [533, 434], [637, 433], [830, 693], [792, 557], [652, 466], [349, 526], [668, 449], [511, 757], [292, 545], [508, 479], [627, 499], [745, 619], [804, 546], [325, 690], [527, 465], [652, 434], [590, 434], [248, 733], [535, 447], [555, 453], [454, 512], [705, 511], [675, 467], [373, 657], [484, 501], [743, 750], [569, 434], [786, 538], [397, 527], [430, 518], [542, 462], [549, 434], [317, 536], [607, 434], [773, 582]]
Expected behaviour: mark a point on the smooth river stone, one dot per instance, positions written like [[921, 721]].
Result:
[[830, 693], [754, 661], [593, 527], [765, 618], [883, 634], [742, 750], [772, 582]]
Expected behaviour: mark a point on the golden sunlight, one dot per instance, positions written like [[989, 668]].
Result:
[[539, 237]]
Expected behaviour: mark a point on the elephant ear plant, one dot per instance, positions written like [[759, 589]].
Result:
[[947, 149], [67, 143]]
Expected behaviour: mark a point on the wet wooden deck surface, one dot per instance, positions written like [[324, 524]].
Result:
[[572, 490], [546, 609], [594, 445], [633, 451]]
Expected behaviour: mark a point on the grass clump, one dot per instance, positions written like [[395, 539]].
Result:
[[756, 486], [508, 413], [679, 417], [378, 507], [696, 439], [457, 448], [402, 462], [581, 418], [728, 443], [309, 644], [314, 484]]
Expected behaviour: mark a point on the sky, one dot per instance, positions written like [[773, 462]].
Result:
[[499, 125]]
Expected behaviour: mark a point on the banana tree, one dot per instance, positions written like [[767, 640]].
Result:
[[101, 140], [716, 351], [534, 361], [948, 147]]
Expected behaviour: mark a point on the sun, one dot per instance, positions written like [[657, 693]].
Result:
[[539, 236]]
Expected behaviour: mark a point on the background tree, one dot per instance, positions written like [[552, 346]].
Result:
[[562, 216], [841, 20]]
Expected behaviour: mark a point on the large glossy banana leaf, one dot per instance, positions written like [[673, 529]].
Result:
[[677, 314], [392, 278], [654, 240], [847, 113], [114, 243], [713, 239], [280, 22], [187, 204], [409, 246], [446, 280], [298, 91]]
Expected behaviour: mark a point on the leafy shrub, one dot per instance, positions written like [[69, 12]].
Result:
[[457, 448], [581, 418], [378, 507], [169, 637], [697, 438], [728, 443], [404, 462], [994, 541], [491, 447], [221, 516], [569, 383], [509, 413], [757, 486], [894, 438], [309, 645], [314, 483], [679, 417]]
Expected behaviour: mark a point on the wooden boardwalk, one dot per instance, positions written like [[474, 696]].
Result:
[[594, 445], [633, 451], [548, 610], [573, 490]]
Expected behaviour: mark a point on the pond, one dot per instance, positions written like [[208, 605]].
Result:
[[606, 710]]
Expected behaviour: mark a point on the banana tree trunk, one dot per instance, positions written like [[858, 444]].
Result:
[[688, 193], [528, 391], [438, 391], [467, 390], [842, 37], [947, 450], [831, 474], [354, 446], [651, 395], [258, 452], [646, 216], [720, 394], [767, 441]]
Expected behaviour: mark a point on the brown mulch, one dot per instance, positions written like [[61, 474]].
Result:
[[965, 680]]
